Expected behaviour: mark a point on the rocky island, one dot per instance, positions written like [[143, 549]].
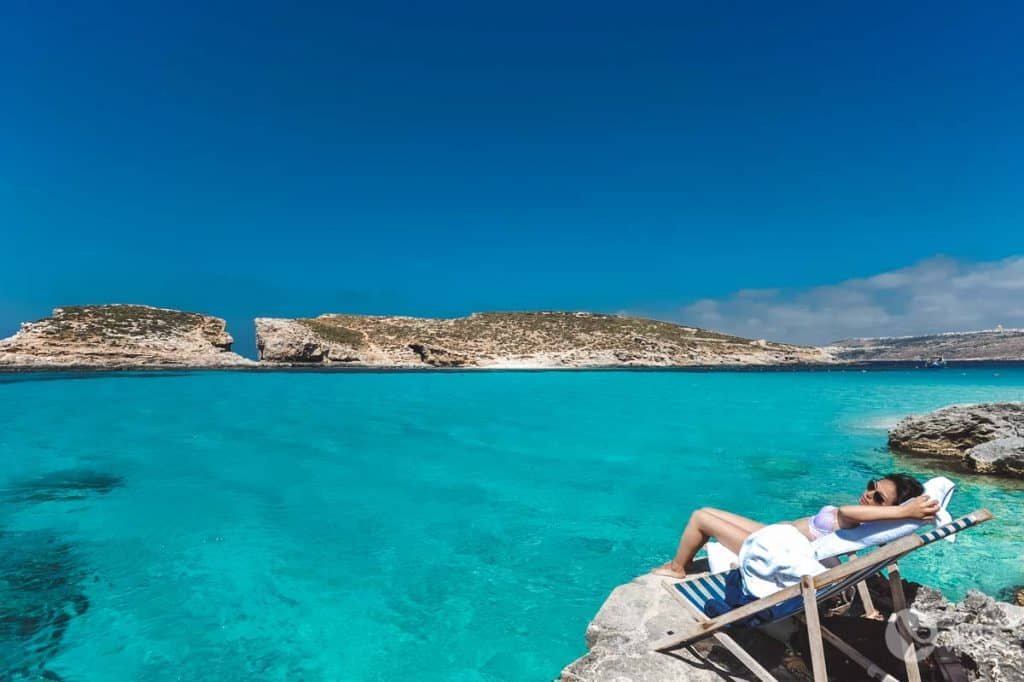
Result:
[[526, 340], [987, 438], [991, 344], [120, 337], [140, 336]]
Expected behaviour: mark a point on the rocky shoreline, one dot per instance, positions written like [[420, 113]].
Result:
[[982, 634], [989, 344]]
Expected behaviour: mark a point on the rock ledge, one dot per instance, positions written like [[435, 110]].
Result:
[[984, 634]]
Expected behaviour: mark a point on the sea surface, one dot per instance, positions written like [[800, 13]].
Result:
[[416, 526]]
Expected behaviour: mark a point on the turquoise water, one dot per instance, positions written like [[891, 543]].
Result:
[[283, 526]]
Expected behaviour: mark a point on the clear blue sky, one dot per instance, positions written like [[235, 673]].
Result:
[[441, 158]]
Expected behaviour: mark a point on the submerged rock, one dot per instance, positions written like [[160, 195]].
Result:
[[41, 591], [987, 438], [120, 337], [69, 484], [512, 340]]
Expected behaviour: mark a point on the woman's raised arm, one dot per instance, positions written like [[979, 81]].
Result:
[[923, 508]]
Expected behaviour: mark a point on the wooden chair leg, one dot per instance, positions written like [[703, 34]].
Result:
[[865, 596], [899, 603], [813, 629]]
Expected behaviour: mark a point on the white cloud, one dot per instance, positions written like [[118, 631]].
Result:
[[936, 295]]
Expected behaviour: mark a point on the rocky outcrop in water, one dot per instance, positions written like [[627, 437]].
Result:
[[995, 344], [987, 438], [511, 340], [120, 336], [983, 634]]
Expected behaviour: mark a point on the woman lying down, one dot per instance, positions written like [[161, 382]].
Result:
[[883, 500]]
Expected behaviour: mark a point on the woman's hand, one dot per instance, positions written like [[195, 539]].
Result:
[[923, 507]]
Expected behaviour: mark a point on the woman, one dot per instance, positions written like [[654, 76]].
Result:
[[883, 500]]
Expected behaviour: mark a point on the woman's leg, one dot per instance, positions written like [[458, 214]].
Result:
[[702, 526], [749, 525]]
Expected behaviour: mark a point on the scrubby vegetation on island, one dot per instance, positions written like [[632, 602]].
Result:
[[84, 322]]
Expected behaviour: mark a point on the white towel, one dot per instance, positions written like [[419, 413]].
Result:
[[776, 557]]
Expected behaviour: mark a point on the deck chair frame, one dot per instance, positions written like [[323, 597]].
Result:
[[813, 590]]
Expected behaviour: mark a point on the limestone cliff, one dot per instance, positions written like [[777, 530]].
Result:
[[120, 336], [511, 340]]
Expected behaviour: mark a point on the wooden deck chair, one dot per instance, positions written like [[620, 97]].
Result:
[[802, 601]]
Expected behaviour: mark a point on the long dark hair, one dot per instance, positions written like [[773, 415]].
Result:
[[906, 486]]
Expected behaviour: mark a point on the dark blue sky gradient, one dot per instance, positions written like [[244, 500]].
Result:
[[440, 158]]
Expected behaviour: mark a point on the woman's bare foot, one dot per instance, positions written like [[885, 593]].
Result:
[[670, 570]]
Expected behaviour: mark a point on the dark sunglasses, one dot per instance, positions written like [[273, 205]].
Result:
[[876, 495]]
